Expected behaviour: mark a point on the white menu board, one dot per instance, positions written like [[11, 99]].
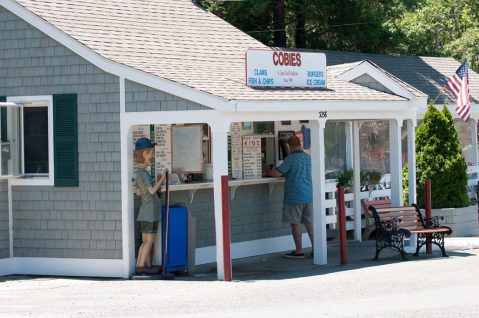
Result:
[[162, 148], [251, 157], [138, 132], [236, 151]]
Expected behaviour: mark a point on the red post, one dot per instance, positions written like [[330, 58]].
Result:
[[342, 226], [225, 207], [428, 209]]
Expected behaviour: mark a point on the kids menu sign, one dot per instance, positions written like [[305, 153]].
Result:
[[274, 68], [251, 157]]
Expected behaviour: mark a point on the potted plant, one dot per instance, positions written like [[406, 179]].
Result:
[[345, 178], [369, 179], [439, 158]]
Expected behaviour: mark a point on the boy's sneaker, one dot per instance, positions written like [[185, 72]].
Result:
[[293, 254]]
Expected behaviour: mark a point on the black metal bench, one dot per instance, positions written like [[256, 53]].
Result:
[[393, 224]]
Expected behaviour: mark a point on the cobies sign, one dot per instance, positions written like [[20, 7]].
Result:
[[274, 68]]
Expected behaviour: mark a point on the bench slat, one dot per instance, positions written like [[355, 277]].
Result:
[[435, 230], [376, 204], [397, 209]]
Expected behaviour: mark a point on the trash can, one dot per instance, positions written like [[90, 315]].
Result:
[[177, 241]]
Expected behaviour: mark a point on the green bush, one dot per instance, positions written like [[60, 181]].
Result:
[[439, 158]]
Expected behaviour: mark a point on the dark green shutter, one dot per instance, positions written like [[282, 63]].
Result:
[[65, 140], [3, 120]]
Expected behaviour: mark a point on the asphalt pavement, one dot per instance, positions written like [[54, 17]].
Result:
[[269, 286]]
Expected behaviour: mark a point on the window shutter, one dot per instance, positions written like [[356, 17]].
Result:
[[3, 120], [65, 140]]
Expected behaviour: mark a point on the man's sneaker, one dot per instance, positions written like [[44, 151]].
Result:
[[293, 254]]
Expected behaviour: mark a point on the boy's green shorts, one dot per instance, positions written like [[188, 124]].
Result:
[[148, 227]]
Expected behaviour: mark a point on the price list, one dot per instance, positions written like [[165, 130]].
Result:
[[236, 151], [251, 157], [138, 132], [162, 148]]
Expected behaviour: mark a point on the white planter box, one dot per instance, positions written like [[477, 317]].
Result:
[[462, 221]]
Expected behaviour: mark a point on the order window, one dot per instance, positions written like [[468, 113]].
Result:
[[26, 127]]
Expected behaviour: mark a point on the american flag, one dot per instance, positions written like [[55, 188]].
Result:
[[458, 85]]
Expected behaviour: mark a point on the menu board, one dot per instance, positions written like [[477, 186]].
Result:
[[162, 148], [236, 151], [251, 157], [138, 132]]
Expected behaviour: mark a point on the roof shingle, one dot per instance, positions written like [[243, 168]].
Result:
[[179, 41]]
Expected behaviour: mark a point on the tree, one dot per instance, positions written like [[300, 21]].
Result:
[[438, 28], [439, 158], [325, 24]]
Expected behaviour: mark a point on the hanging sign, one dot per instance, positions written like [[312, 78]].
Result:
[[275, 68]]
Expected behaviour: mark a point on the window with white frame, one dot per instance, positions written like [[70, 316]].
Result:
[[26, 128]]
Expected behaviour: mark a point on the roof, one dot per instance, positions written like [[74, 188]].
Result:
[[340, 69], [178, 41], [427, 74]]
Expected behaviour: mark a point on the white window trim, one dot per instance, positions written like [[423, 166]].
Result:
[[40, 180]]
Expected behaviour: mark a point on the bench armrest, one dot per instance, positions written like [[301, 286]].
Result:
[[433, 223]]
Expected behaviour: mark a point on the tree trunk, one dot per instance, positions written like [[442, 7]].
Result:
[[279, 24], [299, 34]]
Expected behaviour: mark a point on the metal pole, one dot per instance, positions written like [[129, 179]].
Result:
[[167, 225], [342, 226]]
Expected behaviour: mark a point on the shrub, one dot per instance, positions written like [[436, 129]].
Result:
[[439, 158]]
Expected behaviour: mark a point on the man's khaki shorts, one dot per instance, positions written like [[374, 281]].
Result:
[[298, 213]]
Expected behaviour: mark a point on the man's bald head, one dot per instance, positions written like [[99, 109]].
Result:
[[294, 143]]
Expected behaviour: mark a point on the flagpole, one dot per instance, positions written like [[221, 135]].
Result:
[[440, 91]]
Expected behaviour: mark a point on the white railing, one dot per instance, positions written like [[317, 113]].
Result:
[[380, 191], [472, 179]]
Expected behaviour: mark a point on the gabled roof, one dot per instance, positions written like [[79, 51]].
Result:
[[352, 71], [427, 74], [177, 41]]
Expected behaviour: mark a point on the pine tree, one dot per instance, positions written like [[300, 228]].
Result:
[[439, 158]]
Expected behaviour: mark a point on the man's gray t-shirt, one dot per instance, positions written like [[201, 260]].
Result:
[[150, 208]]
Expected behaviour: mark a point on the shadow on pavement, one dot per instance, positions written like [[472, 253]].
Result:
[[276, 266]]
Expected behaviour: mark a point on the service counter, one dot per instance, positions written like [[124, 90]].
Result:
[[233, 185]]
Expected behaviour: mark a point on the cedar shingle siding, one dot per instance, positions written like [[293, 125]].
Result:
[[80, 222]]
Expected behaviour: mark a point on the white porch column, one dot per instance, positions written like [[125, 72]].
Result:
[[127, 204], [357, 181], [395, 161], [219, 134], [411, 159], [318, 172], [474, 155], [349, 145]]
